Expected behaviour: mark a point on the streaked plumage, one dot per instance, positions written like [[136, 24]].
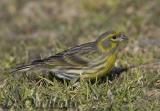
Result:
[[89, 60]]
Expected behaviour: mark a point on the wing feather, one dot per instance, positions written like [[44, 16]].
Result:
[[77, 56]]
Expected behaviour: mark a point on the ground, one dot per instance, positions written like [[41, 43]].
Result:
[[32, 29]]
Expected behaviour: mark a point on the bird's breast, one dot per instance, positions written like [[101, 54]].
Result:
[[101, 68]]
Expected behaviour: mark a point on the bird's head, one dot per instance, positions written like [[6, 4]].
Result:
[[110, 40]]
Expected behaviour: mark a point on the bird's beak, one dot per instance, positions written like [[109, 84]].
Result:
[[123, 37]]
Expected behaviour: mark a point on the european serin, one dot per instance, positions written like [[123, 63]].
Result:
[[87, 61]]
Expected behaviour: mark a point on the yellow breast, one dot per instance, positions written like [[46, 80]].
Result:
[[102, 70]]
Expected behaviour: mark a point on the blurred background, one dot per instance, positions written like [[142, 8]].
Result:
[[29, 28]]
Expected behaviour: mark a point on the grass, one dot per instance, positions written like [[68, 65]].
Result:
[[32, 29]]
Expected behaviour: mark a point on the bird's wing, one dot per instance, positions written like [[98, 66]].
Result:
[[78, 56]]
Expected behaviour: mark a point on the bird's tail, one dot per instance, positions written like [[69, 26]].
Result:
[[27, 67], [22, 68]]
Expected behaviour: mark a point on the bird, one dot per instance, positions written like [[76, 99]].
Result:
[[90, 60]]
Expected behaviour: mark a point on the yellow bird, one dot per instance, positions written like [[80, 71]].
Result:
[[87, 61]]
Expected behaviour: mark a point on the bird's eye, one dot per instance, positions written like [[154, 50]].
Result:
[[114, 37]]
